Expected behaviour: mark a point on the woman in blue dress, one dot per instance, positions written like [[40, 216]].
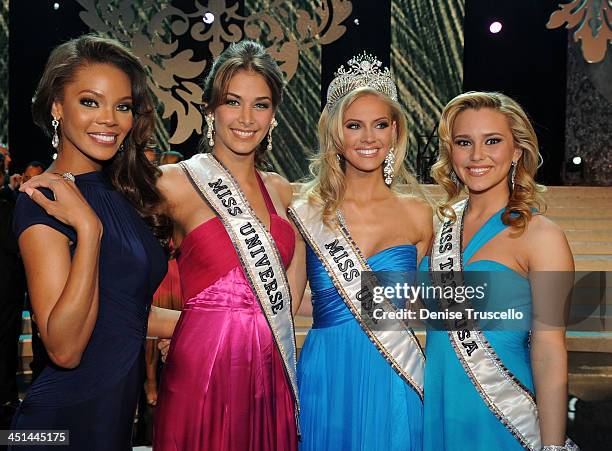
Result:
[[356, 391], [85, 234], [489, 149]]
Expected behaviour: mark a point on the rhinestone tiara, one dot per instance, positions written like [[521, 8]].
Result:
[[363, 70]]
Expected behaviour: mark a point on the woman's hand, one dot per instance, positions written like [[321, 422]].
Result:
[[69, 205]]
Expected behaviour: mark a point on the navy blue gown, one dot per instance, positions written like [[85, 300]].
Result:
[[96, 401]]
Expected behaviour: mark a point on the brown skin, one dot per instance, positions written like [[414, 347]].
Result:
[[95, 108], [483, 139]]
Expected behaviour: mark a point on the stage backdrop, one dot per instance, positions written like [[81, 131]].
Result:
[[422, 41], [178, 40]]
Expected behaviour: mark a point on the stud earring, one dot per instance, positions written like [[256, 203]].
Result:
[[210, 122], [55, 138]]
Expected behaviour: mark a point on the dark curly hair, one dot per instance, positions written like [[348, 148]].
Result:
[[129, 171]]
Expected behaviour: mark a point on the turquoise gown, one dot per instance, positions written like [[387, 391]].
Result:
[[455, 416], [351, 399]]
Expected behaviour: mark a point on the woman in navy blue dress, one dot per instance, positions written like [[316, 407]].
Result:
[[90, 239]]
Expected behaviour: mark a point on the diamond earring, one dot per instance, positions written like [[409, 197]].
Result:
[[273, 124], [513, 174], [388, 169], [454, 178], [55, 138], [210, 122]]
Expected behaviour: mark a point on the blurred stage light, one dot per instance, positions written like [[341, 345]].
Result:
[[576, 160], [495, 27], [356, 21], [56, 6], [208, 18]]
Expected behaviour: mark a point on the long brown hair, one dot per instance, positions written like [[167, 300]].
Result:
[[244, 55], [130, 172]]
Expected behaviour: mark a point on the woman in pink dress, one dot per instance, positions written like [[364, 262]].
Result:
[[229, 379]]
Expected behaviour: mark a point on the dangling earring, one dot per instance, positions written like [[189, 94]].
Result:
[[513, 174], [210, 121], [120, 151], [388, 169], [272, 125], [55, 138], [339, 158], [454, 178]]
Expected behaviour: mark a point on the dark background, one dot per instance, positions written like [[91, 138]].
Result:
[[525, 60]]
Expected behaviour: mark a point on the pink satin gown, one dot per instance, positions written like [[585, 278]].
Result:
[[224, 386]]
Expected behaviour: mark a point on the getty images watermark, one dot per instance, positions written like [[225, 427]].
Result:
[[491, 300], [409, 294]]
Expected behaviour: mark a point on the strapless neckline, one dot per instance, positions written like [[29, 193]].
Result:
[[391, 248]]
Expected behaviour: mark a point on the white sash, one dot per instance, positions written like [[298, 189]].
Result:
[[512, 403], [256, 250], [344, 264]]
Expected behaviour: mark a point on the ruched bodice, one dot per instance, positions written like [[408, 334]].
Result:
[[224, 385], [351, 398], [328, 308], [97, 399]]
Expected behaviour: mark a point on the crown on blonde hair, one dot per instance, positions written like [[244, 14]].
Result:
[[364, 71]]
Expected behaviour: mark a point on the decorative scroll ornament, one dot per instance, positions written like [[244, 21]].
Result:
[[593, 19], [152, 30]]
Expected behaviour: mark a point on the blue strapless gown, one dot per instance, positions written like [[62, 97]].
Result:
[[455, 416], [351, 399]]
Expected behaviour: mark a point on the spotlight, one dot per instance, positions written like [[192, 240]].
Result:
[[495, 27], [56, 6], [573, 171], [208, 18]]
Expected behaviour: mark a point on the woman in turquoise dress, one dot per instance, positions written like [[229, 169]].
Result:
[[351, 397], [489, 148]]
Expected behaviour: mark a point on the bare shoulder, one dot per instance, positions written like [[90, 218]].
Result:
[[171, 177], [418, 208], [170, 174], [542, 228], [281, 185], [546, 245], [173, 186]]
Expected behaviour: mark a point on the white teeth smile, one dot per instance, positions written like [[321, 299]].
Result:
[[479, 171], [366, 151], [244, 134], [105, 139]]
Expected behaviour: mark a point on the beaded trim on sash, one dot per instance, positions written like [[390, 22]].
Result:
[[398, 344], [257, 252], [511, 402]]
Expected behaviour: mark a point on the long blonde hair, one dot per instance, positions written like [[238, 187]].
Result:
[[327, 186], [526, 193]]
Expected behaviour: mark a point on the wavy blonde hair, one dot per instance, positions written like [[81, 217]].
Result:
[[526, 193], [327, 184]]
